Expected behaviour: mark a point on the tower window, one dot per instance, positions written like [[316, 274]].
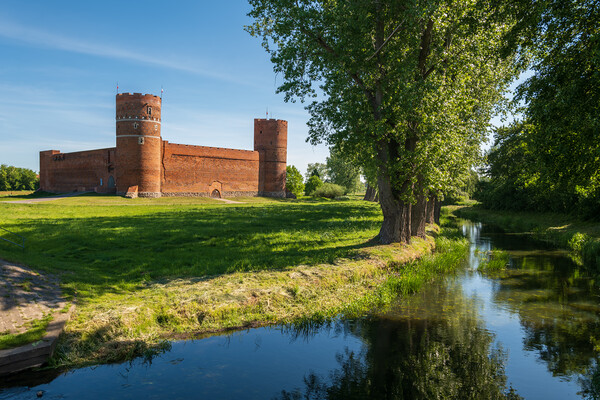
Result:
[[149, 110], [141, 140], [135, 125]]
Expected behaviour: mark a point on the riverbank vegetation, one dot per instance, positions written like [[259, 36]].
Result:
[[141, 271], [562, 230]]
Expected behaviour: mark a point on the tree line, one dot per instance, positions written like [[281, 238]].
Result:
[[405, 90], [549, 160], [14, 178], [336, 177]]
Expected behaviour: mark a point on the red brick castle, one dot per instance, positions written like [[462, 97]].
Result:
[[143, 164]]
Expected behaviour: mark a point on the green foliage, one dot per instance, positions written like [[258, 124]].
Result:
[[407, 89], [495, 260], [13, 178], [313, 183], [550, 161], [317, 169], [343, 171], [329, 190], [293, 180]]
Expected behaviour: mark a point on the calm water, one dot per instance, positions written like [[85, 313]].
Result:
[[532, 331]]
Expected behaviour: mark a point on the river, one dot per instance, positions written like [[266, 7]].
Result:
[[531, 331]]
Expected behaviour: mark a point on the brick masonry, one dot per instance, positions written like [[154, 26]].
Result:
[[158, 168]]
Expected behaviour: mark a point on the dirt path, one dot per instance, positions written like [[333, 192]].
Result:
[[26, 296], [228, 201]]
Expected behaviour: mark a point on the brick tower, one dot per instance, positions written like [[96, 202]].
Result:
[[270, 140], [139, 144]]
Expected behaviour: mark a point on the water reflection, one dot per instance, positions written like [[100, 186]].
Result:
[[554, 301], [431, 346]]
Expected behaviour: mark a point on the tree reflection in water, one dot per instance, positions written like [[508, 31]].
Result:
[[433, 346], [556, 302]]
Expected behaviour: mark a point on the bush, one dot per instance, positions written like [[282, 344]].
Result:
[[329, 190], [313, 183], [293, 180]]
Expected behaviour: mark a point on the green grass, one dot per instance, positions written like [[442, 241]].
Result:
[[23, 195], [36, 332], [561, 230], [97, 249], [144, 270], [495, 260]]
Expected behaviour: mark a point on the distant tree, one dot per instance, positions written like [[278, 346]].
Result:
[[312, 184], [343, 171], [318, 169], [294, 181], [14, 178]]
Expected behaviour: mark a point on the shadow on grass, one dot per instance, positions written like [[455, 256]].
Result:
[[120, 248], [25, 195]]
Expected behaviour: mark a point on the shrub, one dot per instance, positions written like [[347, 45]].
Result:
[[313, 183], [293, 180], [329, 190]]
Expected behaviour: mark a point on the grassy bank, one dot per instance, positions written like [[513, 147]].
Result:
[[146, 270], [561, 230]]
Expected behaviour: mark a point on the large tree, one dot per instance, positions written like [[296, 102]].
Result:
[[409, 87]]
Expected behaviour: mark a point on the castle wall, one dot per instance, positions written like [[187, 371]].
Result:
[[144, 165], [200, 170], [79, 171]]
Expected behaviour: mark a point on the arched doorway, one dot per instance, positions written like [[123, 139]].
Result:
[[215, 194], [111, 182]]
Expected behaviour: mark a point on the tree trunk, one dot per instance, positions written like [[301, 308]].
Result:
[[418, 214], [371, 194], [429, 213], [396, 223], [436, 211], [396, 214]]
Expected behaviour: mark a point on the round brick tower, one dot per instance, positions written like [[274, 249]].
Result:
[[270, 140], [138, 154]]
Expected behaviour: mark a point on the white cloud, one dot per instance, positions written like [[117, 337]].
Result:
[[39, 38]]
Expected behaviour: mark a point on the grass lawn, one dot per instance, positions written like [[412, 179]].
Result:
[[145, 269]]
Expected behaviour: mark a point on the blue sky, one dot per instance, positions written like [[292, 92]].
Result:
[[61, 61]]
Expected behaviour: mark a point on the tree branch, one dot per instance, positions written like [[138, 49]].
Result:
[[386, 40], [353, 75], [425, 48]]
